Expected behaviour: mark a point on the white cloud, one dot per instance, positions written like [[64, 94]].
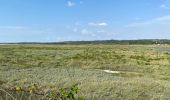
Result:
[[92, 24], [97, 24], [101, 31], [97, 33], [158, 20], [75, 29], [157, 28], [85, 31], [70, 4], [163, 18], [164, 6], [102, 24]]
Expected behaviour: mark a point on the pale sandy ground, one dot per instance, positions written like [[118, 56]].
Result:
[[109, 71]]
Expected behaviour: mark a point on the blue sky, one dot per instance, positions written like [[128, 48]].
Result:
[[71, 20]]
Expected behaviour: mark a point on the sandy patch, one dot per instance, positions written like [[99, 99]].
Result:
[[109, 71]]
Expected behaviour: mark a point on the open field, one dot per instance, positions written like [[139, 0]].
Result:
[[139, 72]]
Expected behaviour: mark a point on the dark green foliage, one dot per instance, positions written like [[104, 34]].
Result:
[[69, 94]]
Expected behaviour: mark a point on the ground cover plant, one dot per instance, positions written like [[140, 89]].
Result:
[[143, 71]]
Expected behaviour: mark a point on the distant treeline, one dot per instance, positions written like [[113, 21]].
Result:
[[121, 42]]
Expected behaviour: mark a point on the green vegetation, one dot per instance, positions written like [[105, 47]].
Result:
[[143, 70], [33, 92]]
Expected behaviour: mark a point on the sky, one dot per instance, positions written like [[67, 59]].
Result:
[[76, 20]]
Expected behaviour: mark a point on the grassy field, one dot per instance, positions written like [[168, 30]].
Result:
[[143, 70]]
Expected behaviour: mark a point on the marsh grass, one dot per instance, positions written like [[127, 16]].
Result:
[[144, 71]]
